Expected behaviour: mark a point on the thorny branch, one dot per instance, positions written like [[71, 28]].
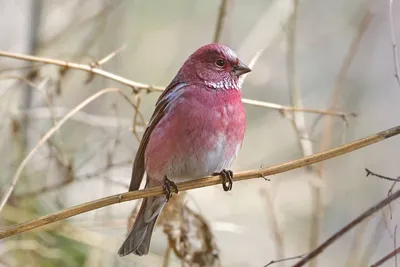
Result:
[[207, 181], [136, 86]]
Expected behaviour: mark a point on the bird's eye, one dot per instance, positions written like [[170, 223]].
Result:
[[220, 63]]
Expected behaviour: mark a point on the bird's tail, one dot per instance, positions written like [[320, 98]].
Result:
[[138, 240]]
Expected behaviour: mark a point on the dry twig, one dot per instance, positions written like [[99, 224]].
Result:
[[141, 86], [285, 259], [382, 176], [203, 182]]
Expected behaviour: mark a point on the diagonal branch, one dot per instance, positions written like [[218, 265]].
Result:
[[386, 258], [348, 227], [203, 182], [92, 69]]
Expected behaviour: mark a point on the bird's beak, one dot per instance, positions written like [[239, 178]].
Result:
[[240, 69]]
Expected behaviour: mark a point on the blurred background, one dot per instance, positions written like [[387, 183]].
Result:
[[316, 54]]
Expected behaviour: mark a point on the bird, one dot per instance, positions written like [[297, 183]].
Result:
[[196, 130]]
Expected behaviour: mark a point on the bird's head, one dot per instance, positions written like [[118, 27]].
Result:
[[215, 65]]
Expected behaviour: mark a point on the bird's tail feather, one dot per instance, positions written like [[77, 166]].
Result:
[[138, 240]]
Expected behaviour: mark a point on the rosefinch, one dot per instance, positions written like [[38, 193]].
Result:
[[196, 130]]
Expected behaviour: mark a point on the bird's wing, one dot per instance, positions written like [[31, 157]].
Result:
[[169, 95]]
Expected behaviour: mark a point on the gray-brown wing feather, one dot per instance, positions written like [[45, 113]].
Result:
[[138, 168]]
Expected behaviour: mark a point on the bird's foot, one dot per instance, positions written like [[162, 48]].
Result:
[[227, 179], [169, 187]]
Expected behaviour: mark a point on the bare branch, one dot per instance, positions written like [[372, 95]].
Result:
[[381, 176], [203, 182], [141, 86], [109, 56], [387, 257], [285, 259], [348, 227], [83, 67], [283, 108]]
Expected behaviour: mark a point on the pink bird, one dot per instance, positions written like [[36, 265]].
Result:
[[196, 130]]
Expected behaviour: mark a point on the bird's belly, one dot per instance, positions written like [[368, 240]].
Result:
[[205, 158]]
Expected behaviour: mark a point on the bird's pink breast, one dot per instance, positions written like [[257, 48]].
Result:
[[201, 134]]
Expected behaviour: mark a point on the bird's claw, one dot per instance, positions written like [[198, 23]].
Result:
[[169, 187], [227, 179]]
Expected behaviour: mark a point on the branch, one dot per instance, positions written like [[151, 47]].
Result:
[[387, 257], [381, 176], [92, 69], [347, 228], [84, 67], [285, 259], [198, 183]]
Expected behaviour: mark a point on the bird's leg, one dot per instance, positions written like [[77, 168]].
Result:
[[227, 179], [169, 187]]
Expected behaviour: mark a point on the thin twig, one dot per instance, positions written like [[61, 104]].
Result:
[[381, 176], [220, 21], [394, 45], [285, 259], [84, 67], [109, 56], [43, 140], [137, 86], [390, 191], [283, 109], [347, 228], [387, 257], [202, 182]]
